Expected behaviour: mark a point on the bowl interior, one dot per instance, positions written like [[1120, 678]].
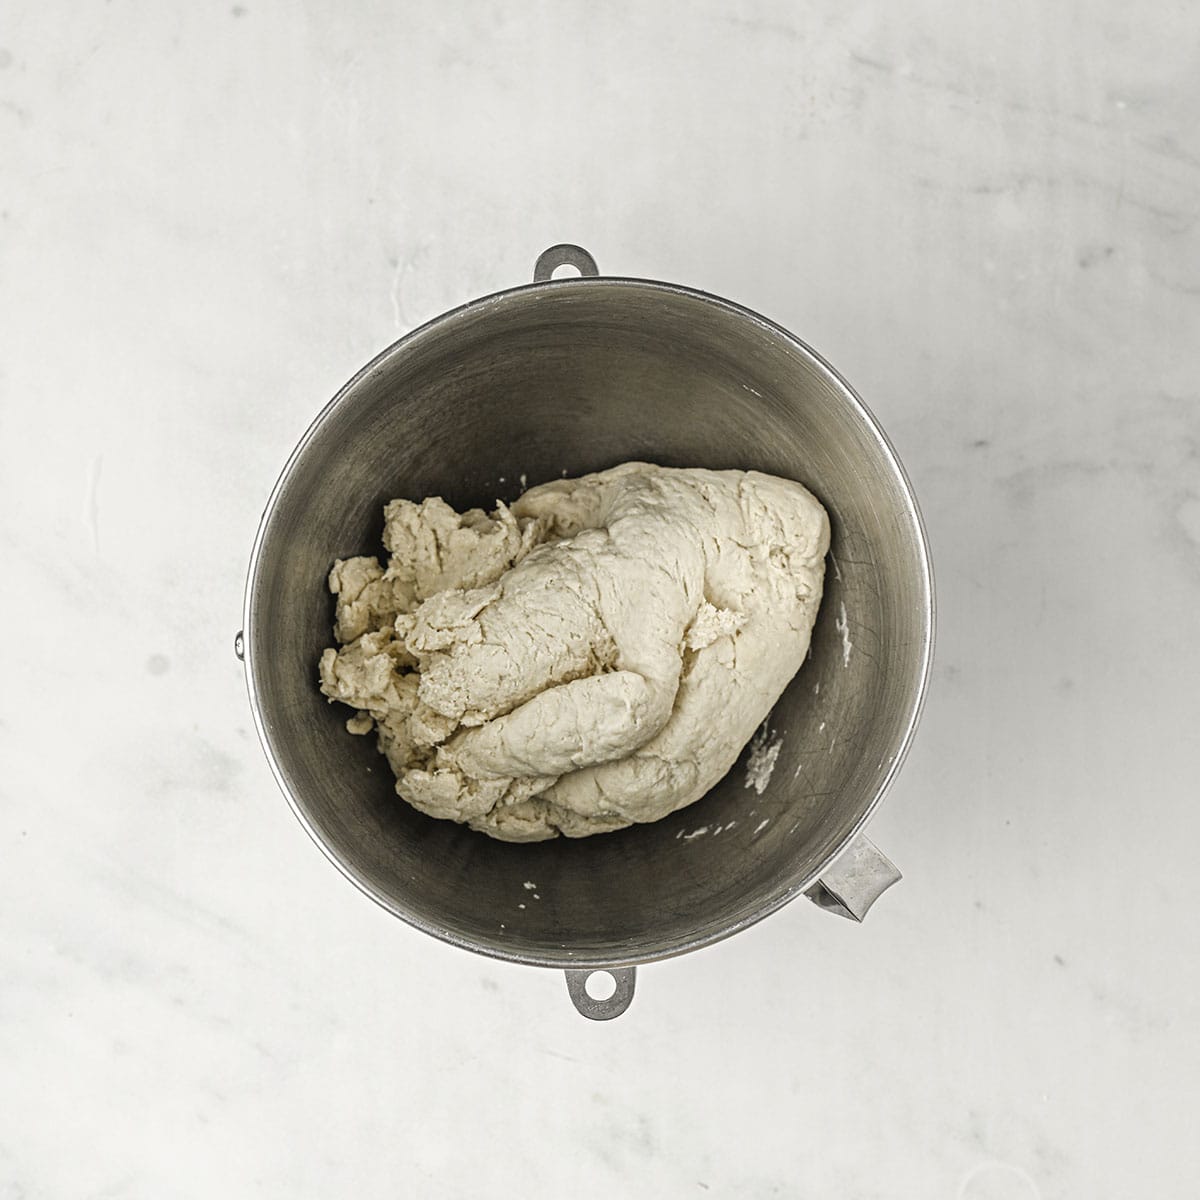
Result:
[[566, 378]]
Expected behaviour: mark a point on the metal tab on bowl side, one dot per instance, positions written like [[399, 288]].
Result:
[[563, 255], [601, 1010]]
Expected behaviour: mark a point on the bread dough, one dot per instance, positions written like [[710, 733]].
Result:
[[595, 656]]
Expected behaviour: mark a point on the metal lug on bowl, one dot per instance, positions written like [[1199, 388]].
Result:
[[855, 881], [563, 255], [239, 647], [601, 1010]]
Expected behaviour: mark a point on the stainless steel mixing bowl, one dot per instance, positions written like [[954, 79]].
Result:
[[562, 377]]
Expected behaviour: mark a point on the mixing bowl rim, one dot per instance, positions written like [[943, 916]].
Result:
[[570, 959]]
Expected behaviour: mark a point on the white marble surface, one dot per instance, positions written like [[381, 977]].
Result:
[[212, 214]]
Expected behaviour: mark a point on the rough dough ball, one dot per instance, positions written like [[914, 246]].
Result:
[[594, 657]]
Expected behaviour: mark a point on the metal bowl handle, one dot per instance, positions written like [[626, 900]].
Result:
[[563, 255], [856, 880]]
